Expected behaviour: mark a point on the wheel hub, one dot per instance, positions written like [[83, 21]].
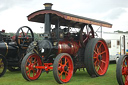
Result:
[[100, 57], [65, 68], [31, 66]]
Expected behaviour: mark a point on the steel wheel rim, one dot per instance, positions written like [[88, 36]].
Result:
[[125, 71], [65, 68], [31, 71], [1, 65], [101, 57]]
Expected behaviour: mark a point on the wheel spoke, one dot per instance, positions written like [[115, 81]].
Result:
[[123, 73], [33, 72], [65, 61], [60, 64], [95, 52], [102, 52], [103, 61], [59, 68], [97, 49], [66, 74], [35, 61], [95, 63], [95, 56], [100, 46], [23, 42], [60, 75], [30, 60], [96, 67], [28, 71], [27, 31], [100, 68], [23, 32]]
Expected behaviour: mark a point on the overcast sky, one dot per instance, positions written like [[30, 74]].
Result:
[[13, 12]]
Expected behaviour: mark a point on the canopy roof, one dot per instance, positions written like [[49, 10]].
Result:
[[65, 19]]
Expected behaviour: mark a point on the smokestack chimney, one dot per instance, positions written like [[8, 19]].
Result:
[[47, 20], [48, 6]]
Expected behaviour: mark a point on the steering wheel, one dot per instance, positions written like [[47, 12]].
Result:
[[24, 36]]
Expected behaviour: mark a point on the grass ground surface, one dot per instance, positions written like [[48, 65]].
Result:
[[79, 78]]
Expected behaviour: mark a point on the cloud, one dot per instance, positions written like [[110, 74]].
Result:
[[106, 5], [12, 19], [119, 23], [8, 4], [13, 12], [114, 13]]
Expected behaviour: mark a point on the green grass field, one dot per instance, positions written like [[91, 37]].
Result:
[[79, 78]]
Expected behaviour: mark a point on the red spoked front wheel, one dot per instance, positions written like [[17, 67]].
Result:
[[122, 70], [28, 66], [96, 57], [63, 68]]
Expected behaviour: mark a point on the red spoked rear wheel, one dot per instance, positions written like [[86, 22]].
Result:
[[122, 70], [101, 57], [63, 68], [96, 57], [28, 66]]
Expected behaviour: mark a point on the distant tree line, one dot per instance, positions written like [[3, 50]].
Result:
[[119, 31]]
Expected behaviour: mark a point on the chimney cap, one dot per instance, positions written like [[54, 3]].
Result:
[[48, 5]]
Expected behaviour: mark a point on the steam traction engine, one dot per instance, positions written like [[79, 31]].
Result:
[[12, 50], [69, 44]]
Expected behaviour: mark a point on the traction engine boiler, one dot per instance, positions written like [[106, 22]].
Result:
[[70, 47]]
